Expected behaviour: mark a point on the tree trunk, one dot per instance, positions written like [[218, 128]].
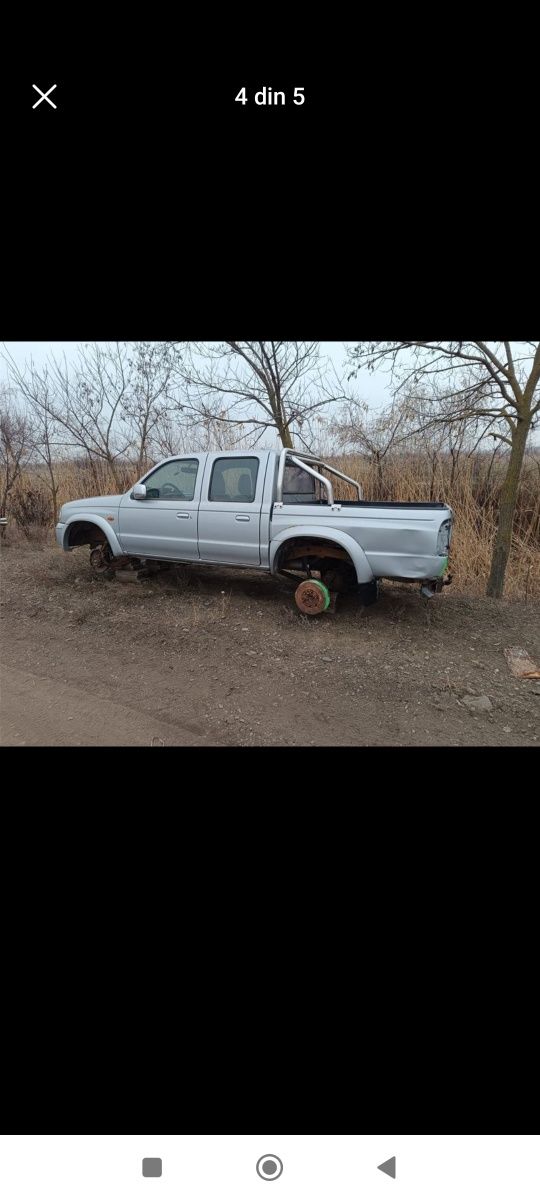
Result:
[[282, 425], [454, 465], [434, 464], [507, 506], [114, 472], [53, 489], [488, 476], [92, 467], [55, 505], [380, 480], [285, 436]]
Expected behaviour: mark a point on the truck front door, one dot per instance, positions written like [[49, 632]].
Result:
[[230, 509], [164, 523]]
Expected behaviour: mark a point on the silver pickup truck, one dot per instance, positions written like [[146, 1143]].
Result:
[[267, 510]]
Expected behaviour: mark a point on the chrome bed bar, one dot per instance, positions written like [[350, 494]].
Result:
[[302, 460]]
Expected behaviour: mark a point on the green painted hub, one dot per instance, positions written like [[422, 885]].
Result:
[[323, 588], [443, 566]]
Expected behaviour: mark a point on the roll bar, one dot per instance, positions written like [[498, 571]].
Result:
[[302, 460]]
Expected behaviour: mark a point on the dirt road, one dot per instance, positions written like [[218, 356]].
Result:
[[44, 712], [208, 656]]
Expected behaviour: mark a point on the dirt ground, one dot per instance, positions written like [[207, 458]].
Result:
[[211, 656]]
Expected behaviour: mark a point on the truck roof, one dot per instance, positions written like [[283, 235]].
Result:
[[222, 453]]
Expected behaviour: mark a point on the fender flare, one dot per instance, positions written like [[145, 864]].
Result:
[[93, 519], [364, 574]]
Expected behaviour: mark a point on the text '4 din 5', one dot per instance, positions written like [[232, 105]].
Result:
[[267, 95]]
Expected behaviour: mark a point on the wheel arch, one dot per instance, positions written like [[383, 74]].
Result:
[[78, 526], [310, 533]]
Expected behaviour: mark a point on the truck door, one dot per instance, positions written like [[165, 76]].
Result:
[[164, 524], [230, 509]]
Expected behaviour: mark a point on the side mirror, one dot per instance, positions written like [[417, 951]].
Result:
[[139, 491]]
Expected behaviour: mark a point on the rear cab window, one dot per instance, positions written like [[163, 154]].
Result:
[[298, 486]]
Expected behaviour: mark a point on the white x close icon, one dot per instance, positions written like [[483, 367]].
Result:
[[44, 95]]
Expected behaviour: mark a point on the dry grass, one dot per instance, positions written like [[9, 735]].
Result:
[[472, 493]]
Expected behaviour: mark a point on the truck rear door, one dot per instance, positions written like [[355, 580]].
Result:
[[230, 509]]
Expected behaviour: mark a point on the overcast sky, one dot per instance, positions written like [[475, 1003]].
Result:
[[371, 388]]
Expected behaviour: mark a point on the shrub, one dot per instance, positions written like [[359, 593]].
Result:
[[31, 507]]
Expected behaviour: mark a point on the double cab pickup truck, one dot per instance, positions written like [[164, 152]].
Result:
[[273, 511]]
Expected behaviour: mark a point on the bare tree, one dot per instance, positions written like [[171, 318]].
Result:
[[45, 446], [431, 426], [88, 401], [262, 385], [108, 401], [16, 444], [171, 436], [148, 395], [46, 436], [474, 380], [456, 437], [376, 435], [83, 398], [167, 438]]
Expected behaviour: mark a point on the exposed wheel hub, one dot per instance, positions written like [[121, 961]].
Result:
[[101, 558], [312, 597]]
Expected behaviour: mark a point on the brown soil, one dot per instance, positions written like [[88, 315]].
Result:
[[213, 656]]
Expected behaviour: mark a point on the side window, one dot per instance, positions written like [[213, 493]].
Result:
[[298, 486], [234, 480], [173, 481]]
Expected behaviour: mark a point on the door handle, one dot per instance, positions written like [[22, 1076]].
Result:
[[241, 517], [184, 516]]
